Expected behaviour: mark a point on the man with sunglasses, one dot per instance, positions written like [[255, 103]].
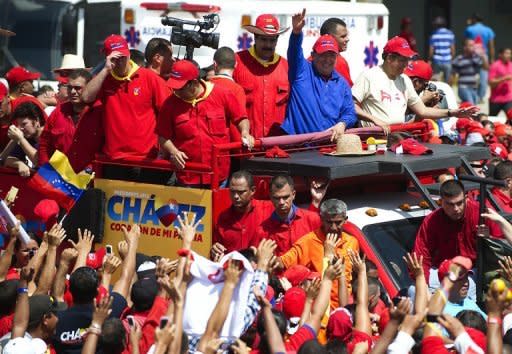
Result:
[[60, 129], [264, 76]]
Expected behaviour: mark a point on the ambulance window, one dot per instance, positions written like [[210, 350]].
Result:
[[391, 241]]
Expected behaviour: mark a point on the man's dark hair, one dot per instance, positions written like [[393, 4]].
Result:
[[44, 89], [156, 46], [8, 295], [312, 347], [329, 26], [138, 57], [249, 254], [113, 336], [224, 57], [370, 265], [476, 17], [336, 346], [502, 50], [279, 181], [503, 170], [244, 174], [28, 110], [260, 326], [439, 22], [487, 122], [451, 188], [83, 285], [472, 319], [75, 74]]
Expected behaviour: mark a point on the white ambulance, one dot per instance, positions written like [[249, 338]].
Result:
[[48, 29]]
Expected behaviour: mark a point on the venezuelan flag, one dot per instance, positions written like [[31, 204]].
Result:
[[57, 180]]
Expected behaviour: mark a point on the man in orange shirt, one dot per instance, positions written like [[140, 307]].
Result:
[[319, 248], [264, 76]]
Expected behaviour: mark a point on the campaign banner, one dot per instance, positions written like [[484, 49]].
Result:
[[131, 202]]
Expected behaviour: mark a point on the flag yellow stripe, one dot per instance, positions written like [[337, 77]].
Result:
[[61, 164]]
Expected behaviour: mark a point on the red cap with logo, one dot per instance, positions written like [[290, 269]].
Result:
[[182, 72], [399, 46], [116, 43], [3, 92], [444, 267], [476, 127], [340, 325], [293, 302], [499, 150], [419, 68], [326, 43], [18, 74], [411, 146]]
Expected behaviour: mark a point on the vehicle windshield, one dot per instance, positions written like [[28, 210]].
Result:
[[391, 241], [39, 34]]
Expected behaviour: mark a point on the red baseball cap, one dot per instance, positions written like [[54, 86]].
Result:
[[399, 46], [340, 325], [3, 91], [182, 72], [326, 43], [266, 25], [500, 129], [444, 268], [419, 68], [462, 123], [478, 337], [95, 259], [116, 43], [509, 114], [499, 150], [293, 302], [411, 146], [476, 127], [47, 211], [18, 74], [298, 273]]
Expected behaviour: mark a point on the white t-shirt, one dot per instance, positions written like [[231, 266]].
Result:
[[382, 97]]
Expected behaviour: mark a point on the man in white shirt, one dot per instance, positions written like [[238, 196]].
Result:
[[383, 93]]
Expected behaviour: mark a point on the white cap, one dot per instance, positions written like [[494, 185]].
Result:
[[23, 345], [474, 138]]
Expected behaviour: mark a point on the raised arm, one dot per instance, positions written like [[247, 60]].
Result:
[[397, 315], [122, 286], [101, 312], [109, 267], [59, 285], [6, 258], [362, 320], [22, 311], [415, 266], [296, 60], [93, 87], [83, 246], [55, 236], [505, 226], [274, 338]]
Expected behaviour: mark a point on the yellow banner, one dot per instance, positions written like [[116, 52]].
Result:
[[129, 202]]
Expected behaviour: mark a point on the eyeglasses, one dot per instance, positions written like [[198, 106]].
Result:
[[76, 88]]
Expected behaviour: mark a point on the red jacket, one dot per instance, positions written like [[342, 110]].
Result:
[[504, 201], [284, 234], [441, 238], [267, 90], [194, 127], [237, 231]]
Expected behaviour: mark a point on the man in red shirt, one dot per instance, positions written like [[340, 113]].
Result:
[[60, 128], [196, 117], [132, 97], [503, 195], [264, 76], [337, 28], [158, 54], [20, 81], [500, 80], [288, 223], [450, 231]]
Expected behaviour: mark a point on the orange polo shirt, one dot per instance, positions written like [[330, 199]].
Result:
[[309, 251]]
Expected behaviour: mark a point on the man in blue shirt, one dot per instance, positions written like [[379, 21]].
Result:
[[320, 98], [442, 48], [483, 36]]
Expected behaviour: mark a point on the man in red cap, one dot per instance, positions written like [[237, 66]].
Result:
[[196, 117], [320, 98], [383, 93], [420, 73], [132, 97], [20, 81], [264, 76], [450, 231], [337, 28]]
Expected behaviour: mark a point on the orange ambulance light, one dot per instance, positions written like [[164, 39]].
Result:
[[246, 20], [129, 16], [179, 6], [380, 23]]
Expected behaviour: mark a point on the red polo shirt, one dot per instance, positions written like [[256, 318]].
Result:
[[131, 106], [504, 201], [4, 139], [267, 90], [286, 234], [194, 127], [441, 238], [237, 231], [89, 137], [342, 68]]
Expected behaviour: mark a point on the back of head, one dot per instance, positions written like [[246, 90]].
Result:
[[472, 319], [8, 296], [312, 347], [336, 346], [451, 188], [28, 110], [330, 25], [279, 181], [138, 57], [113, 336], [143, 293], [83, 285], [503, 170], [475, 17], [224, 57], [156, 46]]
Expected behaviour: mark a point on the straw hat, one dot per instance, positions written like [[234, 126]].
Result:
[[71, 62], [266, 25], [350, 145]]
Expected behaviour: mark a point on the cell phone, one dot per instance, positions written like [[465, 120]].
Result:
[[131, 321], [109, 249], [432, 318], [163, 321]]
